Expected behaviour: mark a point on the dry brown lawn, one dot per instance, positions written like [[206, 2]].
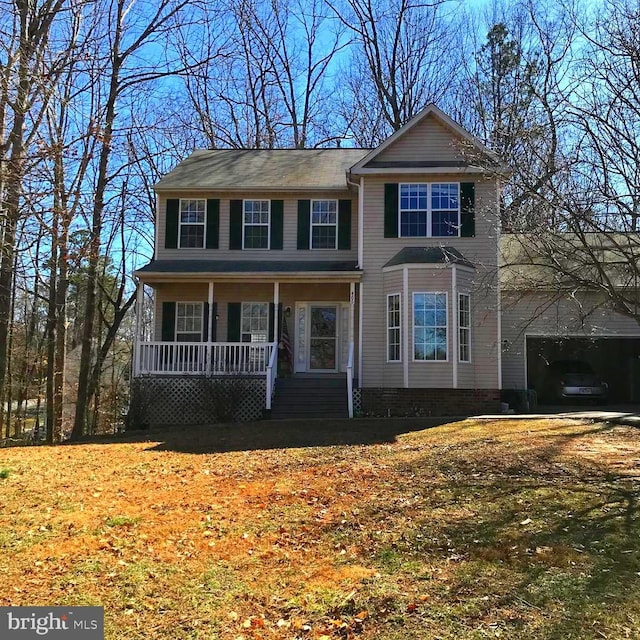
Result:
[[366, 529]]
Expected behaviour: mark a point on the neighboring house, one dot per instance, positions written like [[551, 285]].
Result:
[[337, 280]]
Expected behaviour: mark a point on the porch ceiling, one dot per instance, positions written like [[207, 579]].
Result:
[[242, 270]]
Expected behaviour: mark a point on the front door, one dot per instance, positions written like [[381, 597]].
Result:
[[323, 337]]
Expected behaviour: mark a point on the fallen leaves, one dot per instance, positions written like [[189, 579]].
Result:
[[270, 544]]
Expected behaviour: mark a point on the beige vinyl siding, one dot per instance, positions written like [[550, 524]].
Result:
[[539, 315], [480, 250], [290, 229], [428, 140]]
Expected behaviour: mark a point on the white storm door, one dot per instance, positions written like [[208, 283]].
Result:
[[324, 352]]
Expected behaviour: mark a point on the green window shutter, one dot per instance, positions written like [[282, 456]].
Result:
[[171, 223], [235, 224], [344, 224], [213, 223], [277, 215], [391, 210], [304, 223], [467, 209], [205, 321], [234, 314], [271, 320], [168, 333]]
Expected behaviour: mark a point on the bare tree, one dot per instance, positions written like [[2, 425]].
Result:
[[590, 247], [268, 82], [403, 59], [29, 74], [127, 30], [514, 95]]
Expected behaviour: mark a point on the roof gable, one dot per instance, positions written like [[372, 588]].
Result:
[[430, 140]]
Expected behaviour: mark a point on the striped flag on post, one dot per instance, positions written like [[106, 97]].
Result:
[[285, 343]]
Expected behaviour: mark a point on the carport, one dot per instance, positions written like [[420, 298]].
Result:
[[615, 358]]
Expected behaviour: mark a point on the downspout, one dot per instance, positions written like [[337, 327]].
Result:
[[359, 186], [360, 265]]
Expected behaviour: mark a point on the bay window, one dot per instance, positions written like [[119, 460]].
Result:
[[464, 327], [393, 327], [430, 327]]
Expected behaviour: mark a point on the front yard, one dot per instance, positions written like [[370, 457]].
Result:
[[512, 529]]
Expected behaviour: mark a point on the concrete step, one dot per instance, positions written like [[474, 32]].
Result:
[[310, 397]]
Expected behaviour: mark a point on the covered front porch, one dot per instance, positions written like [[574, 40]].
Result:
[[258, 325]]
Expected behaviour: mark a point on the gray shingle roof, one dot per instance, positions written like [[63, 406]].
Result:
[[429, 255], [244, 266], [260, 169]]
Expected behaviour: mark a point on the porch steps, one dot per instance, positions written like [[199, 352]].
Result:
[[310, 397]]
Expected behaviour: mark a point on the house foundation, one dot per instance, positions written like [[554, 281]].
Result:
[[428, 402]]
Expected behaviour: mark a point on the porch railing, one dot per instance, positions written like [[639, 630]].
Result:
[[203, 358], [350, 380]]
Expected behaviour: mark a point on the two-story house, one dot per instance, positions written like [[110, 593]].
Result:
[[370, 271]]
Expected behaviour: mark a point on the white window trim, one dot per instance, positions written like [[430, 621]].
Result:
[[180, 223], [268, 225], [399, 327], [413, 326], [322, 224], [242, 317], [429, 211], [198, 302], [468, 328]]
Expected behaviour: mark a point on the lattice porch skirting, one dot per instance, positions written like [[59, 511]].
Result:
[[177, 400]]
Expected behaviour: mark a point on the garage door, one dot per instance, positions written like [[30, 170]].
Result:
[[616, 360]]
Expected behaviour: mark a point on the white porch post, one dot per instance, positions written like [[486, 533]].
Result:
[[406, 340], [352, 310], [454, 327], [360, 317], [211, 319], [276, 302], [138, 340]]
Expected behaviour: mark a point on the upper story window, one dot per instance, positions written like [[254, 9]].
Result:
[[255, 224], [189, 321], [430, 327], [429, 209], [324, 224], [192, 223]]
